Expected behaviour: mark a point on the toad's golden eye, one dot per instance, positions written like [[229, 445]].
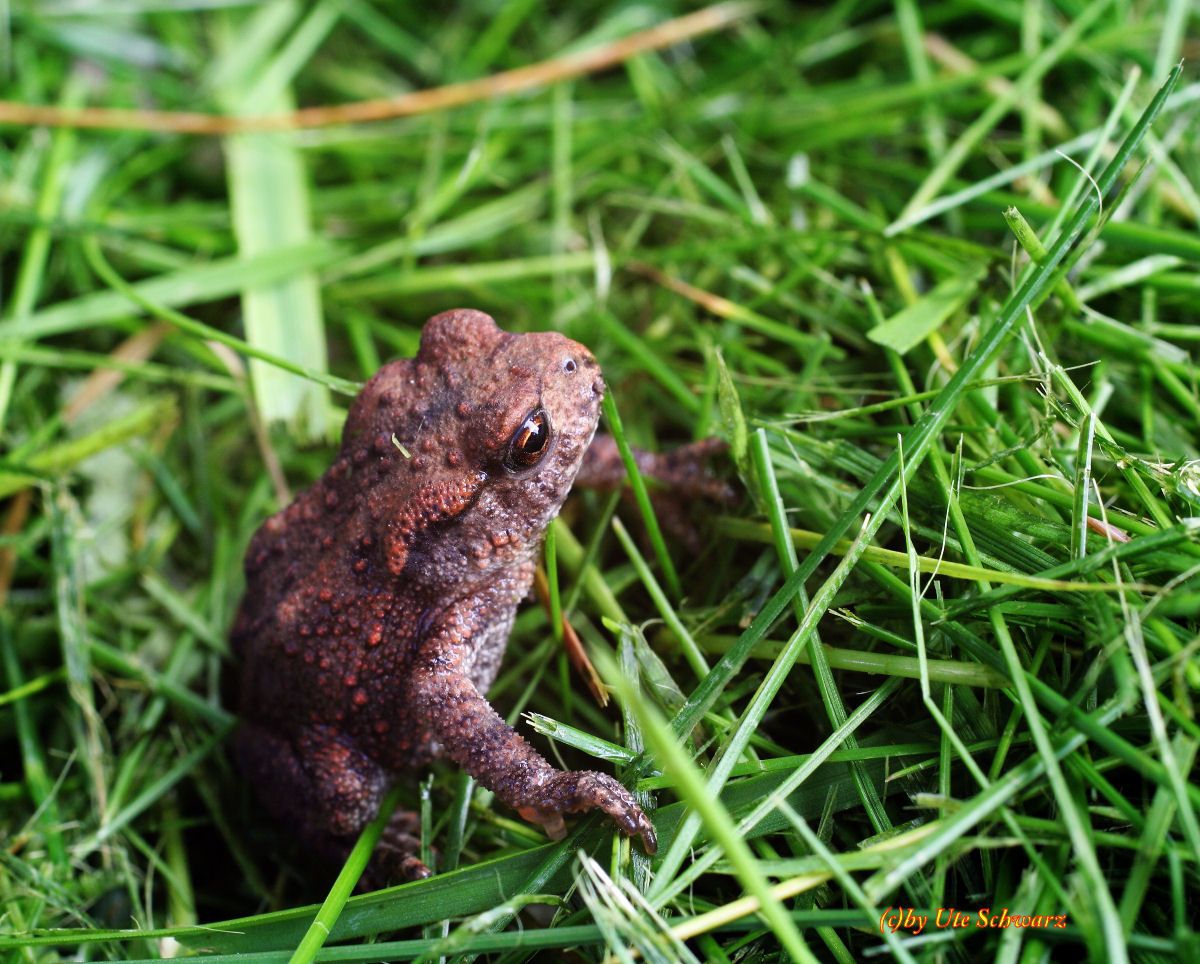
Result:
[[530, 442]]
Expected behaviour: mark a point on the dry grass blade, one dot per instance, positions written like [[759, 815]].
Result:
[[707, 20]]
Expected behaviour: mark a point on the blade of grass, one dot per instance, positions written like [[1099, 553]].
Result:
[[613, 418], [323, 924], [37, 779], [32, 268], [200, 330], [198, 283], [694, 789], [270, 204]]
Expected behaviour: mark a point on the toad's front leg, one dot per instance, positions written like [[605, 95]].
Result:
[[443, 697]]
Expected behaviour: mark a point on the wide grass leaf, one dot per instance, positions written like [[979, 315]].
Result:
[[912, 325]]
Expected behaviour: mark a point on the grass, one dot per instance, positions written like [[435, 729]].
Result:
[[929, 269]]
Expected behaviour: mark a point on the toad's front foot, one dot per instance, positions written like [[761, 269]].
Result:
[[580, 790]]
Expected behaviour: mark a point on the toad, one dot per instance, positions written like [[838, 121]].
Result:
[[379, 603]]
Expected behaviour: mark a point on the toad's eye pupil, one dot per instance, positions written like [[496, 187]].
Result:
[[533, 435], [530, 441], [569, 366]]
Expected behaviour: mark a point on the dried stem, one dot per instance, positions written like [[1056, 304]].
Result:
[[715, 17]]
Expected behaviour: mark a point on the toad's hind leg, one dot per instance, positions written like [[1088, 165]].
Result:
[[327, 791]]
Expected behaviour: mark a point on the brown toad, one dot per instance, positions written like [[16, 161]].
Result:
[[379, 603]]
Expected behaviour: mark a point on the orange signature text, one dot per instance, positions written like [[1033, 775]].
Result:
[[915, 921]]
